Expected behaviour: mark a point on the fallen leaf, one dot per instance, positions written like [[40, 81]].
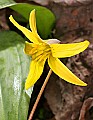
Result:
[[88, 103]]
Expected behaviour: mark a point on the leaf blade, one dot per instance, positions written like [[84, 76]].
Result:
[[14, 65], [6, 3]]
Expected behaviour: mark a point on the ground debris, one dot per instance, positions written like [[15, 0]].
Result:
[[74, 24]]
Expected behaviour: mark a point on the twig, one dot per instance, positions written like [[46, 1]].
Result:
[[39, 95]]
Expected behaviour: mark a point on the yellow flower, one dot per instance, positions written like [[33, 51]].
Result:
[[40, 50]]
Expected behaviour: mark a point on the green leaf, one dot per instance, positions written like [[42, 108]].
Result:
[[45, 18], [14, 67], [6, 3]]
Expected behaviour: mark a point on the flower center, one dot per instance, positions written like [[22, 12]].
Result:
[[40, 51]]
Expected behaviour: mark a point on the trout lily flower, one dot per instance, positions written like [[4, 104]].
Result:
[[50, 49]]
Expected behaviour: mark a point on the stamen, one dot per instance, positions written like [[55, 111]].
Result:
[[40, 52], [37, 54], [37, 58], [33, 51], [43, 56]]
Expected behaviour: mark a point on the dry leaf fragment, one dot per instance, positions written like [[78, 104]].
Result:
[[88, 103], [64, 2]]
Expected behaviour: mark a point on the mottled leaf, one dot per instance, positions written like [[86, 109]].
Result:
[[6, 3], [14, 67]]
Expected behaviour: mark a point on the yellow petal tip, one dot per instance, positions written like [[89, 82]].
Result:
[[84, 84], [11, 17], [80, 83], [26, 86], [33, 10], [87, 42]]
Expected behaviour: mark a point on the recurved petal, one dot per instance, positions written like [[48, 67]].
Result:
[[25, 31], [68, 50], [63, 72], [36, 69], [32, 22]]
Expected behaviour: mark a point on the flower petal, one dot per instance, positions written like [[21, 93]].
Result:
[[36, 69], [25, 31], [28, 48], [32, 22], [68, 50], [63, 72]]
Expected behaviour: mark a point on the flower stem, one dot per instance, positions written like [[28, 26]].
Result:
[[39, 95]]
